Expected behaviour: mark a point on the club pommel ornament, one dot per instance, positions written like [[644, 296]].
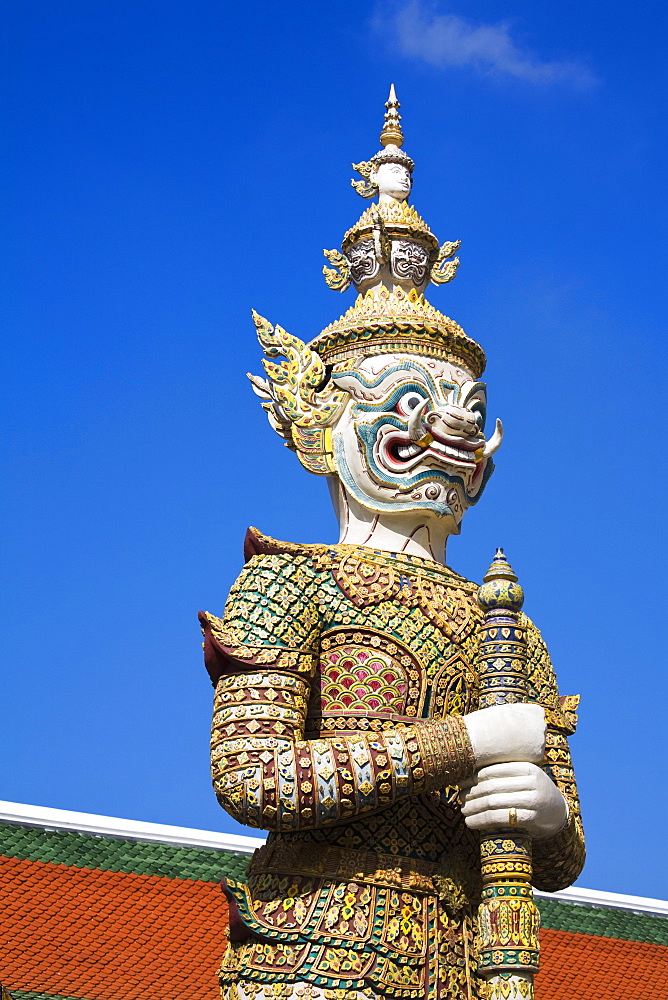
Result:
[[503, 640], [500, 588]]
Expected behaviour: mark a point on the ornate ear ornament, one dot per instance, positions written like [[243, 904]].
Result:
[[338, 276], [365, 188], [300, 403], [443, 269]]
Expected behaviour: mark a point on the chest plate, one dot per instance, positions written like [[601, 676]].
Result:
[[367, 680], [447, 603]]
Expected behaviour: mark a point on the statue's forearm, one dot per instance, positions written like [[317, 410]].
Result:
[[267, 776], [558, 860]]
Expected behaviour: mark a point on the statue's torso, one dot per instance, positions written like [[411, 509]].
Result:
[[388, 896], [397, 643]]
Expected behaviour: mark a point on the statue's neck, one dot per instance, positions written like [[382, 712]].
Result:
[[416, 533]]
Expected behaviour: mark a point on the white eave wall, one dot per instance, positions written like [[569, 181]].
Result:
[[130, 829]]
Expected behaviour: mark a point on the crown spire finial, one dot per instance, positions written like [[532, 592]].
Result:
[[392, 133]]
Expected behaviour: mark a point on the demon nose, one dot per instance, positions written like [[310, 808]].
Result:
[[452, 421]]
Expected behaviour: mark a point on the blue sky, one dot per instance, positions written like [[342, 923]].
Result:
[[169, 166]]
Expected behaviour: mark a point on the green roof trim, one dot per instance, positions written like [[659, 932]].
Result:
[[116, 854], [603, 921], [31, 995], [208, 864]]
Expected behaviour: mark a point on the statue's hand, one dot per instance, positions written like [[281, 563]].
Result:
[[539, 806], [507, 732]]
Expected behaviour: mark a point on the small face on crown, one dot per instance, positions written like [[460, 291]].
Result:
[[393, 180], [412, 436]]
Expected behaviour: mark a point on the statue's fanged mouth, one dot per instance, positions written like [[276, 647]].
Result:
[[399, 453]]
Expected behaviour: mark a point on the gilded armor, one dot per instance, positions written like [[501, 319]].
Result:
[[341, 678]]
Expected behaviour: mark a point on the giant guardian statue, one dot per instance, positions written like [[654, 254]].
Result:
[[397, 731]]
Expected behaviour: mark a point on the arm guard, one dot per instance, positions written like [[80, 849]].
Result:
[[266, 775], [558, 860]]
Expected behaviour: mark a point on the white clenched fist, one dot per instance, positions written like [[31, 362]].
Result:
[[507, 732], [488, 797]]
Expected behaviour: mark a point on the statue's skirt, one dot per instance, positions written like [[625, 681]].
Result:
[[350, 921]]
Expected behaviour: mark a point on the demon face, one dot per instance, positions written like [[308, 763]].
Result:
[[411, 436]]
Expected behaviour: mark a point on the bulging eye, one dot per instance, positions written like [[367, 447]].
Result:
[[479, 417], [408, 402]]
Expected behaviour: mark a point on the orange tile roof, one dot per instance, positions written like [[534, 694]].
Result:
[[584, 967], [77, 932]]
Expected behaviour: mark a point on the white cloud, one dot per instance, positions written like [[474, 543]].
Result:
[[447, 40]]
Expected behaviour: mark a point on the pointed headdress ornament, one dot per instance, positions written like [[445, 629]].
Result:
[[391, 140]]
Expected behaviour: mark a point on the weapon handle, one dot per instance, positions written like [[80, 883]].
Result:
[[508, 919]]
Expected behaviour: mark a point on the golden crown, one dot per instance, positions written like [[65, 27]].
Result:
[[397, 321]]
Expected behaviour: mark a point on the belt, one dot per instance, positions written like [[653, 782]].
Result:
[[339, 864]]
